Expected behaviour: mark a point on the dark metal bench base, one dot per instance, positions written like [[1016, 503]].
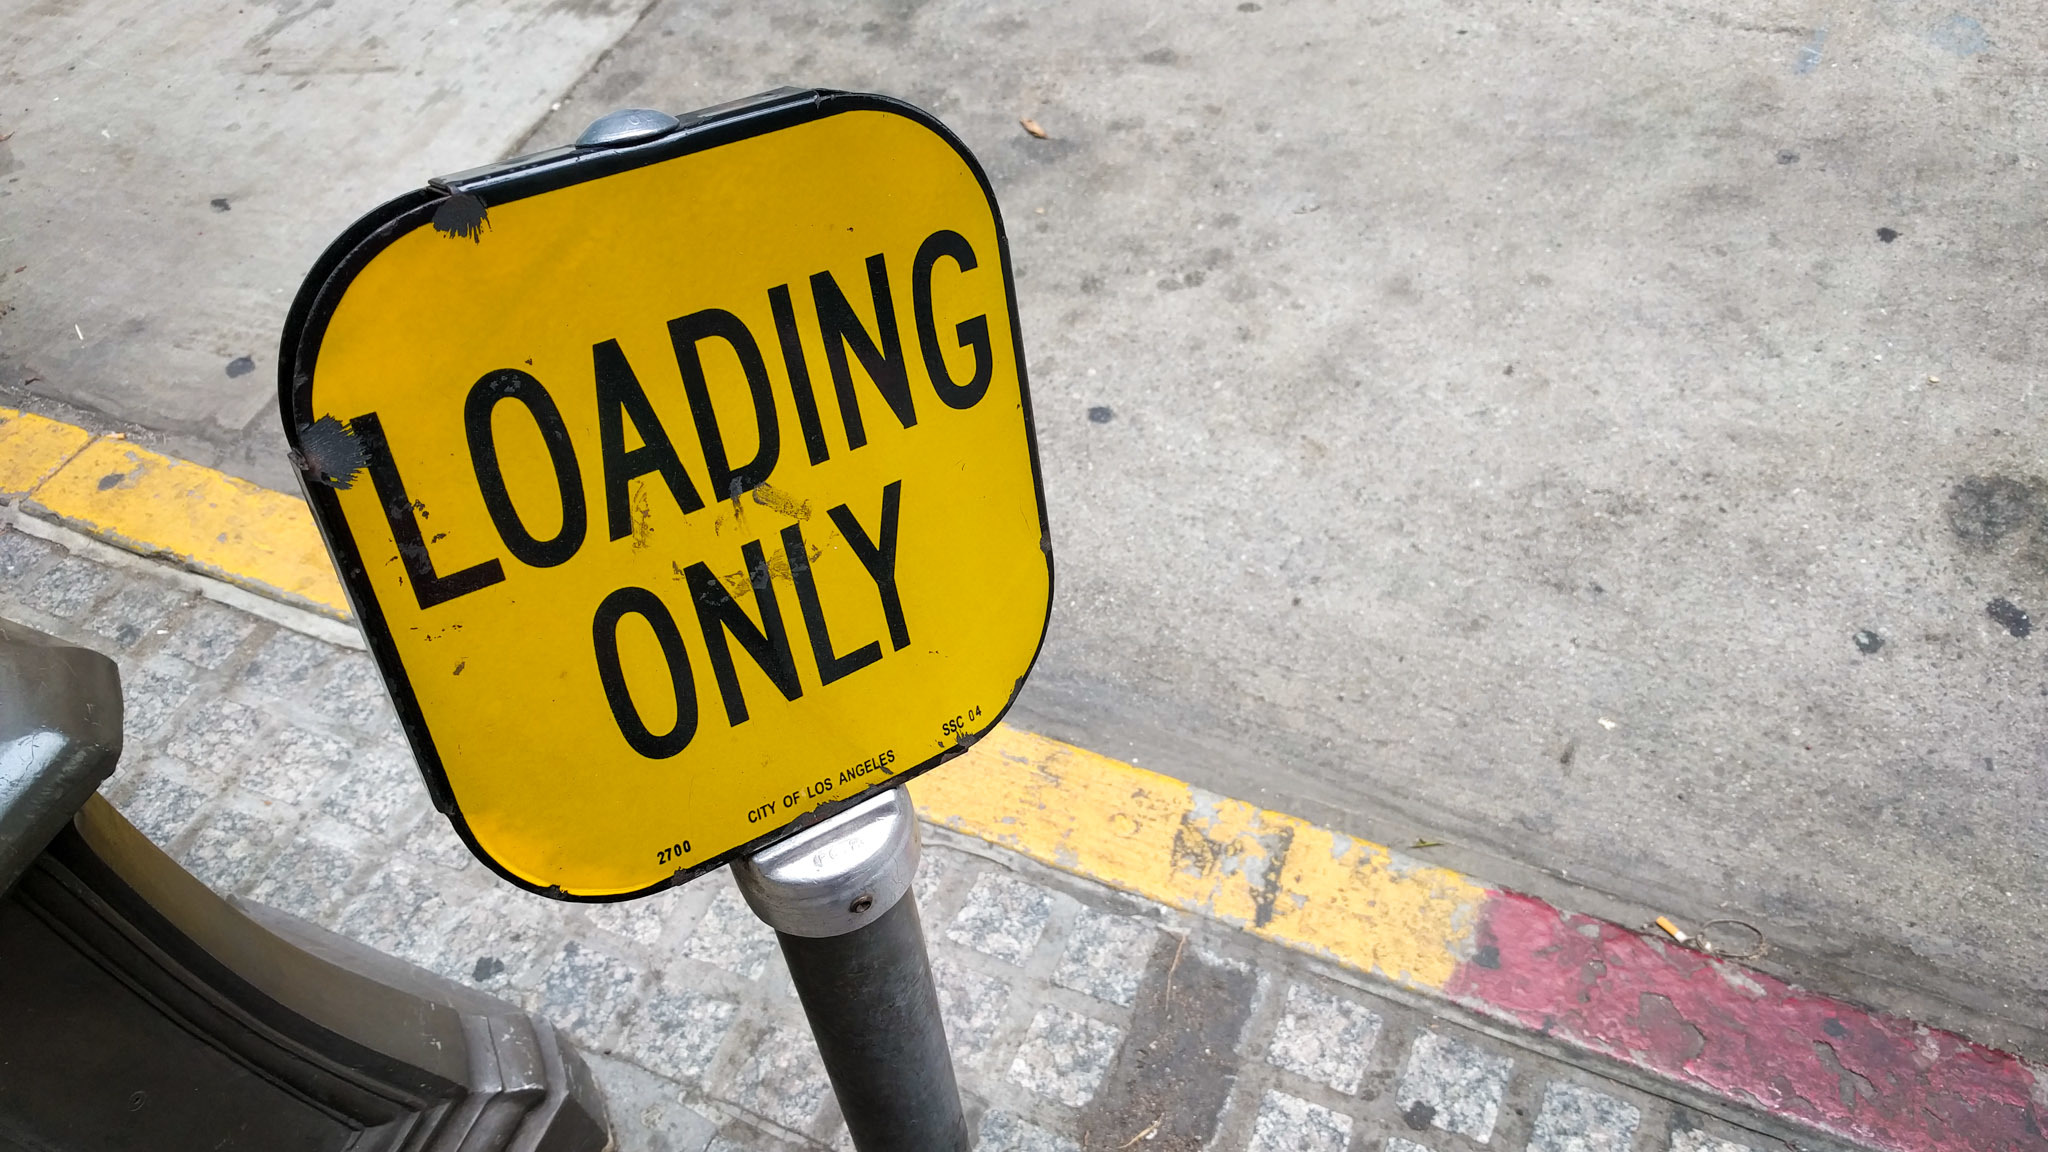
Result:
[[140, 1010]]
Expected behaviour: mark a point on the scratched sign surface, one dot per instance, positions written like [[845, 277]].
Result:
[[685, 492]]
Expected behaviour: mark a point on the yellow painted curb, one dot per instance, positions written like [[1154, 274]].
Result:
[[1277, 877], [206, 520], [32, 448], [1280, 878]]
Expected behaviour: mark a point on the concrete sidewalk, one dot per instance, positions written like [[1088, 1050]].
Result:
[[268, 762]]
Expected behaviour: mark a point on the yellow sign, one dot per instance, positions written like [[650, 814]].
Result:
[[684, 490]]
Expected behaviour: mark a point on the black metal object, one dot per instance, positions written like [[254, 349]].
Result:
[[60, 736], [140, 1010], [875, 1015]]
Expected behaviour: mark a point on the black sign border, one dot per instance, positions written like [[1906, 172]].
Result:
[[321, 293]]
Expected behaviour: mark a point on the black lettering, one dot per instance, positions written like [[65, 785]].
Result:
[[484, 397], [604, 637], [884, 364], [726, 481], [799, 373], [620, 398], [972, 332], [880, 560], [718, 614], [830, 667], [429, 587]]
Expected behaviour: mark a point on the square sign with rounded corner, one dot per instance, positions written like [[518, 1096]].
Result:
[[685, 488]]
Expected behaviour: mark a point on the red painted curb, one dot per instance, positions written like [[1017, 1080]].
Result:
[[1881, 1081]]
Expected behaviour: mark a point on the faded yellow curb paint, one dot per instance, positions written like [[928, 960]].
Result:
[[205, 520], [1273, 875], [32, 448], [1280, 878]]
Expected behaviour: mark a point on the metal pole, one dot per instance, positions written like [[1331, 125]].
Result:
[[838, 896]]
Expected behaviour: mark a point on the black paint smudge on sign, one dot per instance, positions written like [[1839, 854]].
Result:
[[462, 216], [329, 453]]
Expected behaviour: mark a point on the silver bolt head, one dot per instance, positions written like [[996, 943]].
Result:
[[626, 126]]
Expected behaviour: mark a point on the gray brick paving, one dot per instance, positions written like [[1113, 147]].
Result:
[[1453, 1085], [493, 942], [269, 763], [1003, 917], [1105, 956], [730, 937], [650, 1112], [160, 804], [1288, 1124], [231, 848], [298, 764], [679, 1029], [66, 588], [381, 784], [21, 554], [1064, 1056], [150, 694], [1578, 1119], [1324, 1037], [641, 921], [308, 876], [587, 993], [1002, 1132], [972, 1004], [286, 661], [215, 736], [1694, 1140], [780, 1078], [135, 613], [209, 635]]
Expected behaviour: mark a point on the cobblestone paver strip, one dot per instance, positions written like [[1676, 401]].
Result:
[[1454, 1085], [1324, 1037], [1002, 1132], [1693, 1140], [268, 763], [1064, 1056], [1578, 1119], [1288, 1124]]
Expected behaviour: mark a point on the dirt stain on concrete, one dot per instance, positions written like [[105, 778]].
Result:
[[1983, 510], [1173, 1074], [2002, 517]]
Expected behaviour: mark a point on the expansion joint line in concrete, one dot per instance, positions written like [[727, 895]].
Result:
[[1683, 1015]]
